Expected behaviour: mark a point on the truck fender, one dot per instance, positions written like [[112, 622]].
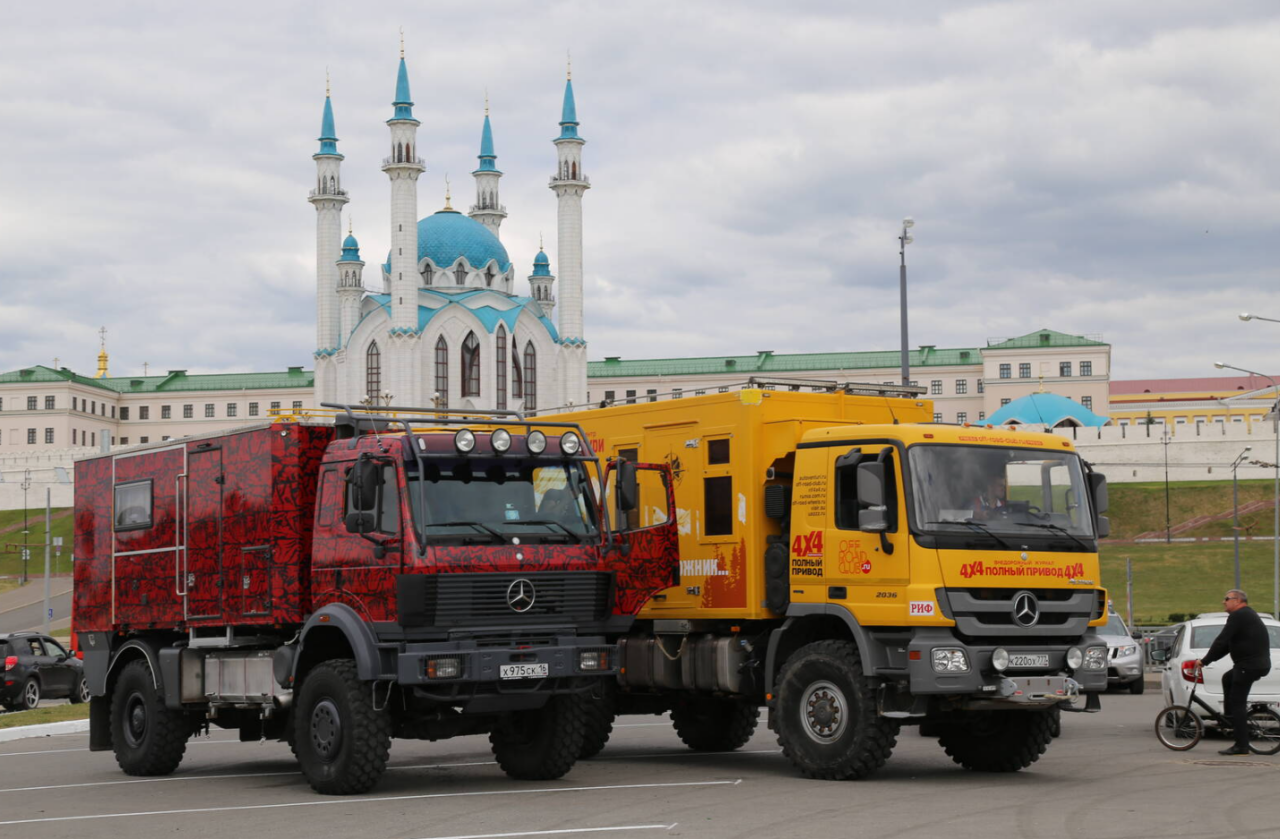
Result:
[[801, 610], [339, 616], [149, 652]]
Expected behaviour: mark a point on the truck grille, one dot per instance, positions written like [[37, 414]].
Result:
[[462, 600], [990, 611]]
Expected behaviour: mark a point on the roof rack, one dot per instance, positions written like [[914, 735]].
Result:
[[828, 386], [349, 419]]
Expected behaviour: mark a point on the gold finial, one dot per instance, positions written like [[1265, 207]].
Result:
[[402, 43], [569, 73], [326, 83], [447, 205], [102, 355]]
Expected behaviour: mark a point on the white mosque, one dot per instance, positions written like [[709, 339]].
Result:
[[448, 327]]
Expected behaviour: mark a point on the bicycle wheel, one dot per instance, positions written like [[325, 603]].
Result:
[[1178, 728], [1264, 731]]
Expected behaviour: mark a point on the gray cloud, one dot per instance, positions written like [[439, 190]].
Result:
[[1089, 167]]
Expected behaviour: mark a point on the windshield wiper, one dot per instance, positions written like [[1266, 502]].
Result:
[[550, 523], [981, 528], [477, 525], [1056, 529]]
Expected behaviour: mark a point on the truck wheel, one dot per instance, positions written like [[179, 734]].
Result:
[[826, 717], [999, 741], [600, 714], [542, 744], [342, 742], [148, 738], [711, 724]]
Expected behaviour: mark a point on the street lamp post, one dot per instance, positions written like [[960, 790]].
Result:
[[1275, 430], [1164, 439], [1235, 505], [26, 551], [903, 241]]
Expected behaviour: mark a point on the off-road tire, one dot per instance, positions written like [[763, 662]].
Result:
[[541, 744], [1138, 686], [79, 692], [600, 714], [999, 741], [148, 738], [30, 698], [712, 724], [1055, 721], [341, 741], [860, 740]]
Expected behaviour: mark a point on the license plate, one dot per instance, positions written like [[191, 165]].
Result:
[[1026, 660], [523, 671]]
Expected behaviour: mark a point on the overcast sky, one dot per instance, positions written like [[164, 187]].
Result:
[[1097, 168]]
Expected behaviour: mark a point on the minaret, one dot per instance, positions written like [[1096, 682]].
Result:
[[541, 282], [403, 168], [350, 287], [328, 198], [487, 210], [569, 184]]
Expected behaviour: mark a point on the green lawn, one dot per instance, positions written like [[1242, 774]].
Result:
[[53, 713], [1140, 508], [11, 542]]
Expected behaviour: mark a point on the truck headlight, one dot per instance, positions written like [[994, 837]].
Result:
[[1075, 658], [500, 439], [444, 668], [950, 661], [569, 443], [1095, 658], [593, 660], [464, 440], [537, 442], [1000, 659]]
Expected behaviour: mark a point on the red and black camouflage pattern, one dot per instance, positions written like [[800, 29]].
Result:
[[265, 542]]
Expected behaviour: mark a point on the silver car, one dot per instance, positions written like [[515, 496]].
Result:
[[1124, 656]]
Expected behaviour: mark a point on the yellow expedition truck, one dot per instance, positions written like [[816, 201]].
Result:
[[855, 567]]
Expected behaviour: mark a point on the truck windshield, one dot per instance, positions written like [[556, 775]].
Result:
[[1003, 492], [480, 500]]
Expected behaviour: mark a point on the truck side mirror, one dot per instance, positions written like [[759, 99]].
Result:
[[628, 487], [873, 515], [365, 479], [1104, 527], [1098, 487], [361, 523]]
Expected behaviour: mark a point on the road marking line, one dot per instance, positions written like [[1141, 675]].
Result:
[[642, 725], [374, 800], [67, 751], [564, 832], [693, 754]]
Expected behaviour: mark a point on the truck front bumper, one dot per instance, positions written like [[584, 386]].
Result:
[[1046, 682]]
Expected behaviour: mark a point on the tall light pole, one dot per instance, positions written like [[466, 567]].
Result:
[[1164, 439], [26, 551], [1275, 430], [903, 241], [1235, 504]]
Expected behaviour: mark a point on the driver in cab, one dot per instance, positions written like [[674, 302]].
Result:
[[992, 499]]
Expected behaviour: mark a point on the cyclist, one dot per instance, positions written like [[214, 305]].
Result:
[[1245, 639]]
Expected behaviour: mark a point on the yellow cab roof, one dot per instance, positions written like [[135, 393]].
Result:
[[974, 435]]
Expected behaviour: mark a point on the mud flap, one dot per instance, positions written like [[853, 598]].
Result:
[[100, 724]]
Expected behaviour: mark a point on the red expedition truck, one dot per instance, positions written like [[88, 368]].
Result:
[[394, 573]]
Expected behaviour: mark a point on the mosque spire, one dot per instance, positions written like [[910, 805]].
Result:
[[404, 102], [328, 136], [488, 209], [569, 113]]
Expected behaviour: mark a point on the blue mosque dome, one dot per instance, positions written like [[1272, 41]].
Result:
[[448, 234], [350, 249], [541, 265]]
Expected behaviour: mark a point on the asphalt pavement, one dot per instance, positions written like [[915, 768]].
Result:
[[1105, 777], [23, 608]]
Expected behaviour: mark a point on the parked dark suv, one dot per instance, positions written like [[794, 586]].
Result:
[[36, 667]]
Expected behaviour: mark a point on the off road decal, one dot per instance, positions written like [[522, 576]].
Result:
[[811, 492], [923, 609], [853, 559], [979, 568]]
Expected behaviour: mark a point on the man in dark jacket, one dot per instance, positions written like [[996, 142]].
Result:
[[1245, 639]]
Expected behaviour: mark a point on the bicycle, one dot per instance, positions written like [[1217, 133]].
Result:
[[1180, 728]]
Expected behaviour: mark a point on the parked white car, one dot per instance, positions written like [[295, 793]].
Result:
[[1191, 644], [1124, 655]]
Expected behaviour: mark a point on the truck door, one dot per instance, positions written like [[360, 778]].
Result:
[[867, 560], [204, 533], [650, 560]]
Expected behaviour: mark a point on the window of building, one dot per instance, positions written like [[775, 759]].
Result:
[[297, 406], [75, 403], [231, 409], [144, 412], [442, 372], [165, 437], [1087, 401], [208, 409], [980, 385], [144, 439], [48, 435], [1064, 368], [48, 403], [275, 407], [1237, 419], [1004, 402], [1024, 370], [935, 387], [373, 370], [937, 417], [1086, 368], [699, 393], [124, 414], [1179, 420], [517, 374], [93, 438], [166, 411], [1006, 371], [962, 416], [631, 397], [124, 441], [113, 411], [677, 393], [530, 376], [93, 407], [982, 415], [725, 389], [470, 365], [962, 386], [188, 411], [610, 395], [652, 394], [33, 403], [460, 275], [500, 368], [253, 409]]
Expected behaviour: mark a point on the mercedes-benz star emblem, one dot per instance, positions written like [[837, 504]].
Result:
[[520, 595], [1026, 609]]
